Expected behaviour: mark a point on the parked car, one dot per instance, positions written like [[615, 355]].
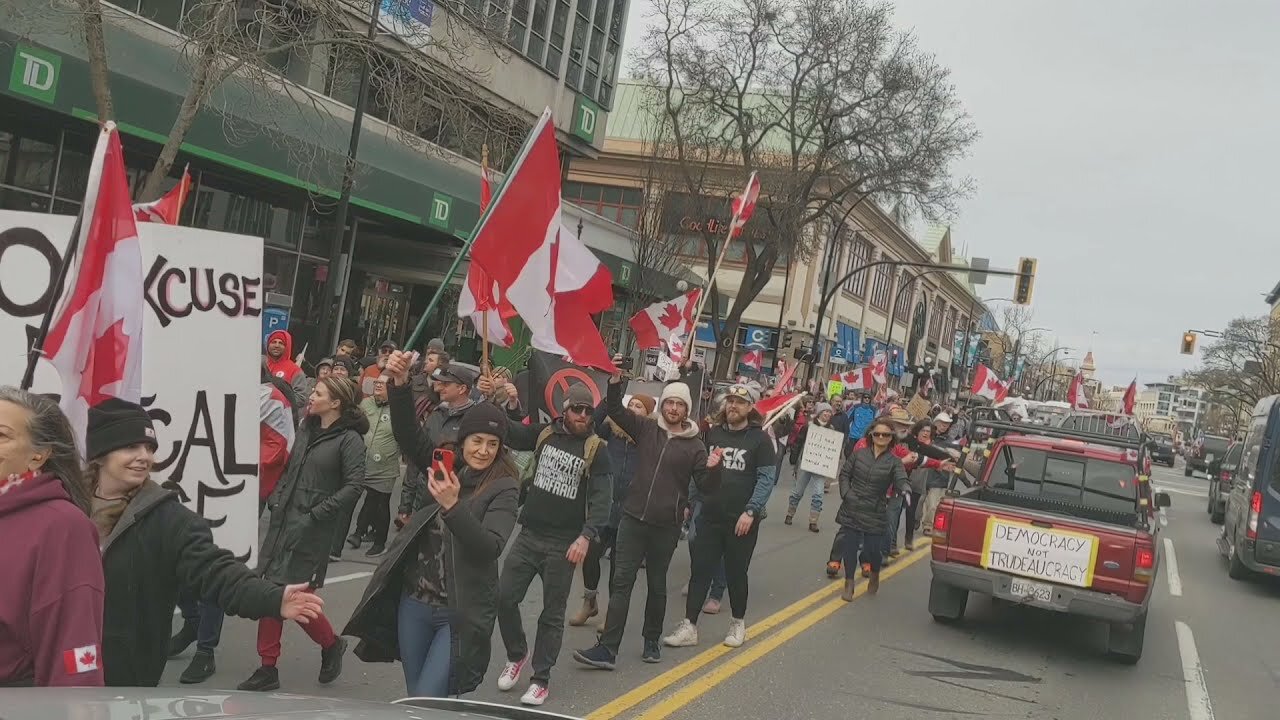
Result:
[[1206, 450], [163, 702], [1250, 537], [1058, 520], [1161, 448], [1221, 480]]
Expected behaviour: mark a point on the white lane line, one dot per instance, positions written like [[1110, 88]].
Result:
[[327, 581], [1171, 568], [1198, 705]]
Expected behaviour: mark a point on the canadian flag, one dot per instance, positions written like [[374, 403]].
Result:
[[1131, 397], [753, 359], [1075, 393], [788, 372], [662, 321], [169, 207], [81, 660], [880, 367], [988, 385], [860, 379], [744, 205], [95, 339], [537, 264], [478, 297]]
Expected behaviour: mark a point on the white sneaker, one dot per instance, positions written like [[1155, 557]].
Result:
[[737, 633], [510, 674], [535, 695], [685, 635]]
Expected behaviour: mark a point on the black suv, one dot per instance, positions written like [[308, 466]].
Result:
[[1220, 482], [1198, 458], [1161, 448]]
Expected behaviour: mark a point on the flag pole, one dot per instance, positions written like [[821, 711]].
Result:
[[466, 244], [37, 347], [485, 365], [734, 225]]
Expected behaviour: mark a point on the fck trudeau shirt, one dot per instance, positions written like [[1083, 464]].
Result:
[[728, 487]]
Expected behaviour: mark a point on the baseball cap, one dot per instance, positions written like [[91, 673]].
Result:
[[457, 372]]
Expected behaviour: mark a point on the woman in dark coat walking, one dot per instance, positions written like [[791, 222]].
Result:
[[320, 485], [433, 600], [865, 481]]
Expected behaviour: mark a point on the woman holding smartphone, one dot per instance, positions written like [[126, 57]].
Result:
[[433, 600]]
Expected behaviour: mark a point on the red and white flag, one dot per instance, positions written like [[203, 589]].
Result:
[[860, 379], [663, 321], [81, 660], [788, 372], [95, 339], [744, 205], [753, 359], [478, 297], [773, 402], [988, 385], [168, 208], [537, 264], [1075, 393], [1131, 397], [880, 367]]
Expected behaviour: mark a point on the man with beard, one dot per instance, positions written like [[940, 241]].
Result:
[[671, 455], [280, 362], [739, 479], [565, 502]]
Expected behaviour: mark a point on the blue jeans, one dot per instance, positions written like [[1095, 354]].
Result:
[[871, 545], [895, 519], [805, 480], [718, 580], [205, 617], [426, 647]]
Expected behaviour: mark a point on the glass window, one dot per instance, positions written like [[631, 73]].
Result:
[[555, 43], [278, 268], [541, 12], [601, 14], [318, 229], [618, 17], [219, 208], [308, 294], [519, 24], [6, 147], [73, 172], [165, 12], [11, 199], [32, 166], [343, 81]]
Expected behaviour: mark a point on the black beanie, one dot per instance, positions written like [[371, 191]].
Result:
[[483, 418], [115, 424]]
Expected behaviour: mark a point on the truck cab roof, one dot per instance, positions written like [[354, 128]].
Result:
[[1070, 445]]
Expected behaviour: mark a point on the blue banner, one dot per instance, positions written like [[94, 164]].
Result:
[[757, 337], [846, 345]]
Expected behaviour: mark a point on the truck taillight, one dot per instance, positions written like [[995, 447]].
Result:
[[1255, 509], [941, 523], [1224, 476], [1144, 563]]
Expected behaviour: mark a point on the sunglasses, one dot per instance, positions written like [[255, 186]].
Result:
[[739, 392], [881, 435], [579, 409]]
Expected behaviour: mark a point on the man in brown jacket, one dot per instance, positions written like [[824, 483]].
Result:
[[671, 455]]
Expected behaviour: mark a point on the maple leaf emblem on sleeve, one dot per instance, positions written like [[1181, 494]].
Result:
[[671, 317], [88, 658]]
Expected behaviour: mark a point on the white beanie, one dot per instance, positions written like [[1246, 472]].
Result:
[[677, 391]]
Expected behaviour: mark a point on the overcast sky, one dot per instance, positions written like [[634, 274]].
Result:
[[1130, 146]]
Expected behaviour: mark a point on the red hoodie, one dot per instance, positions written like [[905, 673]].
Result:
[[51, 597], [284, 368]]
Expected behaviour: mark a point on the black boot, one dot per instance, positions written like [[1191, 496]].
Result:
[[263, 679], [182, 640], [331, 661], [201, 668]]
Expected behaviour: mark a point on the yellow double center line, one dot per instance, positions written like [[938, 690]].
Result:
[[742, 658]]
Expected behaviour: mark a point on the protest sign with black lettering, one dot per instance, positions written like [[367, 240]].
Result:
[[201, 347], [1059, 556], [823, 451]]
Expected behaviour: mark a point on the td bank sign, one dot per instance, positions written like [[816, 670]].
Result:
[[35, 73]]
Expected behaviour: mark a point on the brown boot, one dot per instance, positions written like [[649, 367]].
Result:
[[813, 522], [791, 515], [874, 586], [847, 595], [588, 611]]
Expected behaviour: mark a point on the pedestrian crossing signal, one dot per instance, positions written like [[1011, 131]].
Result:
[[1188, 343], [1025, 282]]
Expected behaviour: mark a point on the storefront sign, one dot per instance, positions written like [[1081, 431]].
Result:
[[441, 205], [585, 118], [200, 365], [35, 73]]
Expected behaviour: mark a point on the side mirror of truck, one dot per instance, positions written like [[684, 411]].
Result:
[[1163, 500]]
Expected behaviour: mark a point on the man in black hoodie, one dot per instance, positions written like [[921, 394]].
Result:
[[564, 503], [740, 477]]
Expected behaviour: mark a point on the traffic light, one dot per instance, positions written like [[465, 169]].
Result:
[[1188, 343], [1025, 282], [787, 336]]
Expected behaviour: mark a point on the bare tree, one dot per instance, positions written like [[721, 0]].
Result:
[[825, 100], [424, 80], [1242, 367]]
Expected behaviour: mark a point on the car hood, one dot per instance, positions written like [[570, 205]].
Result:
[[174, 704]]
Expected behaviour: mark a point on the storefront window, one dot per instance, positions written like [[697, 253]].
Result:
[[218, 208], [32, 164], [11, 199], [309, 291], [277, 271]]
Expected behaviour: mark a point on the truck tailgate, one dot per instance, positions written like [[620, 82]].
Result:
[[1042, 546]]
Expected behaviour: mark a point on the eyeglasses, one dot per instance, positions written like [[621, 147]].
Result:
[[579, 409], [881, 435]]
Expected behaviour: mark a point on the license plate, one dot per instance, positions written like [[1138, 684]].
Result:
[[1037, 591]]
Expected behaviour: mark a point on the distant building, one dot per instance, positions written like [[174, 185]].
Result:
[[1187, 405]]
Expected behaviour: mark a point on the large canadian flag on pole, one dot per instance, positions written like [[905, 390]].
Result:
[[477, 297], [1075, 393], [95, 338], [860, 379], [168, 208], [988, 385], [662, 321], [537, 264]]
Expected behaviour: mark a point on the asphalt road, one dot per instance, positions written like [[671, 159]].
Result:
[[1211, 650]]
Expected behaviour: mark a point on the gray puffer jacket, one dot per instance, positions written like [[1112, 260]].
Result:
[[864, 489]]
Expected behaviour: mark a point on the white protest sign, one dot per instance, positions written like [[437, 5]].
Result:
[[667, 368], [201, 355], [1059, 556], [823, 451]]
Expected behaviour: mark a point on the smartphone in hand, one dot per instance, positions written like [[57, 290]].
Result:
[[442, 460]]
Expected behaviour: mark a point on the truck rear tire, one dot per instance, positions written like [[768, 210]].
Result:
[[946, 602], [1186, 470], [1218, 514], [1124, 640], [1236, 569]]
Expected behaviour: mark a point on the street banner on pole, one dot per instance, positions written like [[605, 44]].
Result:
[[201, 353]]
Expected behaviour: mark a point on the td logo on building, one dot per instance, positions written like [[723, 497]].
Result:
[[584, 119], [441, 205], [35, 73]]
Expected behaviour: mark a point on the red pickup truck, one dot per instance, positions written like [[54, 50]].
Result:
[[1061, 520]]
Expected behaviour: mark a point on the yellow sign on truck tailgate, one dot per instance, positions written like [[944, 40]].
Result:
[[1020, 548]]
